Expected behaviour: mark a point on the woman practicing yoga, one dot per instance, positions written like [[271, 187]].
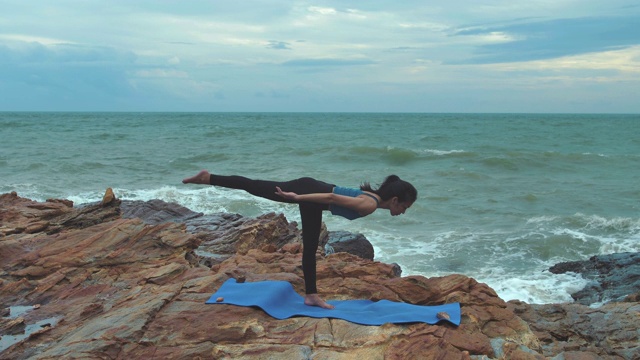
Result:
[[313, 197]]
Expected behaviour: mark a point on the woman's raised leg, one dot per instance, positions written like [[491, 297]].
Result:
[[200, 178]]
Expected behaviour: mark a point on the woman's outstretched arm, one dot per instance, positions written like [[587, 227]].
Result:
[[363, 204]]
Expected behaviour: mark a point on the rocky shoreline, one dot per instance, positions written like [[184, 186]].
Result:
[[122, 279]]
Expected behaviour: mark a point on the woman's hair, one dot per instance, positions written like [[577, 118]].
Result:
[[393, 186]]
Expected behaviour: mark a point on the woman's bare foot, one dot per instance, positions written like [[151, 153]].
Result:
[[200, 178], [315, 300]]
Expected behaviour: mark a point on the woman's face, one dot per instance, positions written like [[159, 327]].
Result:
[[397, 207]]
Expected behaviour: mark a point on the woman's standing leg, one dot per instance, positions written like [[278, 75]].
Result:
[[311, 215]]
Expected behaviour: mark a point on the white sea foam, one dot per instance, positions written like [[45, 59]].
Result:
[[617, 223], [615, 245], [441, 152], [542, 219], [541, 287]]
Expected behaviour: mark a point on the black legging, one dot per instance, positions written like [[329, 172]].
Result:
[[311, 213]]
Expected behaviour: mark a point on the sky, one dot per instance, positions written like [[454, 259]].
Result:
[[461, 56]]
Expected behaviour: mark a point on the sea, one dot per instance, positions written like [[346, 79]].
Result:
[[501, 197]]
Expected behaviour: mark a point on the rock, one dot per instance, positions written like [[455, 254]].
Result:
[[36, 227], [243, 234], [12, 326], [156, 211], [19, 215], [209, 224], [114, 287], [108, 197], [610, 331], [356, 244], [443, 316], [613, 277]]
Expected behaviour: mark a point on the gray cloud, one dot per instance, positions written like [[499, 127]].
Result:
[[556, 38], [278, 45], [34, 53]]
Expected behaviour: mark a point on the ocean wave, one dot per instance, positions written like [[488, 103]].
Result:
[[502, 162], [537, 288], [542, 219], [7, 125], [457, 252], [593, 223], [549, 160], [108, 136], [35, 166], [398, 155], [205, 158], [446, 152], [609, 224], [389, 154], [585, 235]]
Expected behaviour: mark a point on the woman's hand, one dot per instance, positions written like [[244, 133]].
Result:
[[286, 195]]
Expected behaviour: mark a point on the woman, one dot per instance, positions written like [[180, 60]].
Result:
[[313, 197]]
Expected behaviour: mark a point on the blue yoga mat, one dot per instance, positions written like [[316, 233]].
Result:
[[280, 300]]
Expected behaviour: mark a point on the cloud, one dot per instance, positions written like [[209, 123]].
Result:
[[278, 45], [69, 74], [66, 54], [327, 62], [354, 55], [548, 39], [322, 10]]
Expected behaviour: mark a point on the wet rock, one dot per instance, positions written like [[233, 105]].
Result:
[[609, 332], [344, 241], [613, 277], [156, 211], [12, 326]]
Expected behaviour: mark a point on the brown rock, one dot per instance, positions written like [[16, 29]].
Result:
[[36, 227], [121, 288], [244, 234], [293, 248], [108, 197], [12, 326], [19, 215]]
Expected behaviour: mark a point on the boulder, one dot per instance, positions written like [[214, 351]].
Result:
[[582, 332], [156, 211], [344, 241], [613, 277]]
